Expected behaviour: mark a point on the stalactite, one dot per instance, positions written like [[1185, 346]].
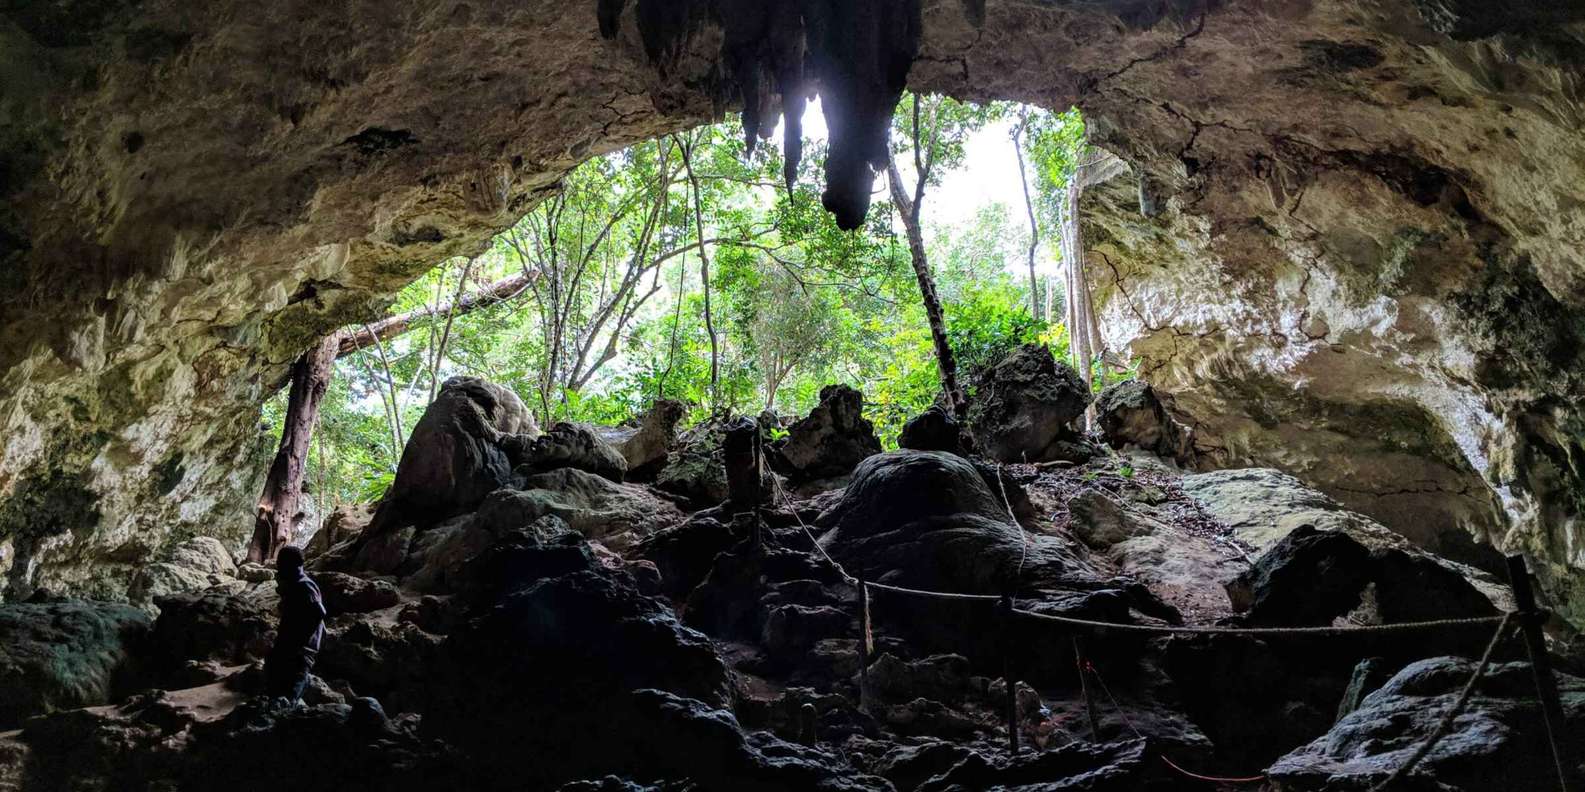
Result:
[[855, 53]]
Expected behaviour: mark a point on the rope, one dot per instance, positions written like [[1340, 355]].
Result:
[[1023, 547], [1090, 667], [1425, 748], [1457, 709], [1151, 629], [780, 493]]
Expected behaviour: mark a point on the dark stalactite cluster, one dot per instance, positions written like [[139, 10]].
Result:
[[854, 53]]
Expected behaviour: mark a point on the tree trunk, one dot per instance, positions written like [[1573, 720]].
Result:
[[276, 515], [1079, 317], [704, 279], [945, 360], [1029, 207]]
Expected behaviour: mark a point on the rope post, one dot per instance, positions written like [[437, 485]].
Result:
[[1530, 619], [1005, 609], [864, 645], [1089, 695]]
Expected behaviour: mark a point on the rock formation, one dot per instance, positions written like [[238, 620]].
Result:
[[574, 633], [1359, 262], [829, 441], [1025, 405]]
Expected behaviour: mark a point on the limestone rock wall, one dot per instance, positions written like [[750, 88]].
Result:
[[1365, 267]]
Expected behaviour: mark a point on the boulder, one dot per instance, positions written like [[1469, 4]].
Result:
[[193, 565], [1498, 742], [1190, 572], [344, 593], [1309, 578], [211, 740], [831, 440], [568, 648], [646, 449], [61, 655], [927, 519], [215, 625], [1102, 520], [437, 558], [1416, 587], [461, 450], [684, 553], [1131, 415], [934, 429], [1024, 405], [392, 661], [343, 523], [574, 445], [1262, 506], [793, 629], [694, 469], [590, 504]]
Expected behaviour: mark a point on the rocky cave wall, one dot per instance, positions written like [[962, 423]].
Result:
[[1362, 262]]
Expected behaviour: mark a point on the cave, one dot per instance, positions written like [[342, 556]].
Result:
[[1337, 239]]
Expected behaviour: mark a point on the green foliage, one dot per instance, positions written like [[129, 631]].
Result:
[[796, 303]]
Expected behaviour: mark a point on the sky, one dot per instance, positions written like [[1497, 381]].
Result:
[[989, 174]]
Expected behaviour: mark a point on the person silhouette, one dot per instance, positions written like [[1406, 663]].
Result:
[[297, 640]]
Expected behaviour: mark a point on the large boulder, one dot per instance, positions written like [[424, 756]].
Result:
[[343, 523], [209, 739], [460, 451], [645, 450], [1262, 506], [1309, 578], [590, 504], [1131, 415], [928, 519], [831, 440], [935, 429], [574, 445], [571, 646], [1498, 743], [215, 625], [1312, 577], [61, 655], [1024, 404], [694, 469], [193, 565]]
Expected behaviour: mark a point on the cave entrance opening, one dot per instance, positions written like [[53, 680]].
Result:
[[685, 268]]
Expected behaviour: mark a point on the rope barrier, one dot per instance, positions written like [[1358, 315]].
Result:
[[1023, 545], [1502, 621], [1167, 629], [1150, 629]]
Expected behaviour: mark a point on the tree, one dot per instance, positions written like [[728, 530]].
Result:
[[1029, 207], [936, 144], [275, 517]]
